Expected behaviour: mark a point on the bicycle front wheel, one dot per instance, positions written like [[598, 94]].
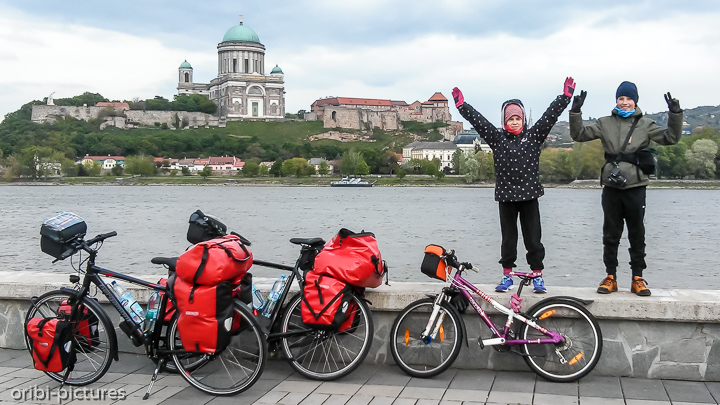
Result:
[[429, 356], [232, 370], [94, 337], [326, 355], [577, 355]]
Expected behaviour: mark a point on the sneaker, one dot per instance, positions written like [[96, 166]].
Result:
[[639, 287], [608, 285], [506, 283], [539, 285]]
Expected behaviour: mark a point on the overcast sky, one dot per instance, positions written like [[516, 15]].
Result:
[[397, 49]]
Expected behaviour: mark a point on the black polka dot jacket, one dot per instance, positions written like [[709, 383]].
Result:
[[517, 157]]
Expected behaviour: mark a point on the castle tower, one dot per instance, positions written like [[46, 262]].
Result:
[[185, 76]]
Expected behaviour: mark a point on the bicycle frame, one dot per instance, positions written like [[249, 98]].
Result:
[[294, 273], [499, 338]]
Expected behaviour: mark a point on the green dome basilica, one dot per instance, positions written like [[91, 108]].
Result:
[[241, 33]]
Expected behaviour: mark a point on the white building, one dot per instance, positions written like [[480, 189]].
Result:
[[431, 150]]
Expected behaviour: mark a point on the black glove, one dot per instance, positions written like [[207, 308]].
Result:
[[458, 300], [673, 104], [578, 102]]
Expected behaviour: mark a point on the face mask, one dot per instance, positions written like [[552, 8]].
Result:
[[624, 113]]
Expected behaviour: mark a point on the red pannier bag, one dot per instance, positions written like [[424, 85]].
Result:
[[325, 301], [89, 336], [353, 318], [170, 307], [205, 314], [352, 257], [50, 344], [244, 294], [214, 261]]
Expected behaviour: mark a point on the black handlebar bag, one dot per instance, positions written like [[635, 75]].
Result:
[[57, 233]]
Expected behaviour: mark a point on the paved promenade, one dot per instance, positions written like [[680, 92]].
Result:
[[369, 385]]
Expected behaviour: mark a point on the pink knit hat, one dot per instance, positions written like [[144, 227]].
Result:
[[513, 109]]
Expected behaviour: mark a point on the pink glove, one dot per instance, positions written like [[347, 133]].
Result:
[[458, 97], [569, 87]]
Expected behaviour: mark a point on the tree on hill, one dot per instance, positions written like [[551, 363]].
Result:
[[362, 168], [86, 98], [206, 172]]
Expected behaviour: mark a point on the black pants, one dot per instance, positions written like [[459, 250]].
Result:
[[629, 206], [529, 213]]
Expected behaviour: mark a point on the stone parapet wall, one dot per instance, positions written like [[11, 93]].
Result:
[[674, 334], [125, 118]]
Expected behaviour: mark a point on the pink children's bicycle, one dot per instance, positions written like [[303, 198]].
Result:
[[558, 337]]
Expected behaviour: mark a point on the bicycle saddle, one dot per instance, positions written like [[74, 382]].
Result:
[[168, 261], [308, 241]]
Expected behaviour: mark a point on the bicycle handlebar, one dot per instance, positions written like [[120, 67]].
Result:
[[85, 245], [452, 261]]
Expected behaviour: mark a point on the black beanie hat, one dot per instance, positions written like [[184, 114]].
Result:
[[627, 89]]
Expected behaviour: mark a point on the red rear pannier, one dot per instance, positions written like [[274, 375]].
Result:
[[353, 318], [352, 257], [87, 328], [50, 341], [325, 301], [170, 307], [205, 315], [211, 262]]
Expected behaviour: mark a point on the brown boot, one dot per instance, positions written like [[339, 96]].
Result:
[[639, 287], [608, 285]]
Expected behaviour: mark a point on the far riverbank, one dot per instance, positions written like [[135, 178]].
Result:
[[380, 181]]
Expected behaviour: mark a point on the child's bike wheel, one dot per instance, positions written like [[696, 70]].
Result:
[[427, 357], [577, 355]]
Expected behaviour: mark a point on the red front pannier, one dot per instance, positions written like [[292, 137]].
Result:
[[89, 335], [205, 314], [325, 301], [214, 261], [352, 257], [50, 341]]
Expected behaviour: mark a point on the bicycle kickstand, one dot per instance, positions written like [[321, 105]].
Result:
[[160, 365]]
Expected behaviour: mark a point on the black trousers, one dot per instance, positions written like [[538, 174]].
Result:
[[629, 206], [529, 213]]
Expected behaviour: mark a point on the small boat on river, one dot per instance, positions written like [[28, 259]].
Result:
[[354, 182]]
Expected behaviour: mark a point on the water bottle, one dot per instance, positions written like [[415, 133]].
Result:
[[258, 302], [152, 312], [128, 302], [274, 296]]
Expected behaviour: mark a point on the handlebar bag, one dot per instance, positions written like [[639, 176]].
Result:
[[352, 257], [205, 314], [325, 301], [87, 334], [50, 344], [214, 261], [204, 227], [433, 264], [57, 232]]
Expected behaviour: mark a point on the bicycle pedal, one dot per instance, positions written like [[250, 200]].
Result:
[[480, 343]]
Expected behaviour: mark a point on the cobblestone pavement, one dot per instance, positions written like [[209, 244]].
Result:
[[368, 385]]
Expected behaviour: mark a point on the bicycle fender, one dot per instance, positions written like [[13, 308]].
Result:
[[89, 302], [558, 298], [459, 316]]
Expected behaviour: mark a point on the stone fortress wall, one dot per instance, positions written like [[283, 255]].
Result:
[[122, 118]]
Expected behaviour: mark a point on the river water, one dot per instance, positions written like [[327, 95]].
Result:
[[683, 227]]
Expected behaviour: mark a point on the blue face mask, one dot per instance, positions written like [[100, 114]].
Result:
[[624, 113]]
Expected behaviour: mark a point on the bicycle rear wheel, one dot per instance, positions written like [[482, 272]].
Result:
[[94, 355], [425, 357], [577, 355], [326, 355], [232, 370]]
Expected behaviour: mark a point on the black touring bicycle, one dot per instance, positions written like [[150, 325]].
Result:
[[83, 342]]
